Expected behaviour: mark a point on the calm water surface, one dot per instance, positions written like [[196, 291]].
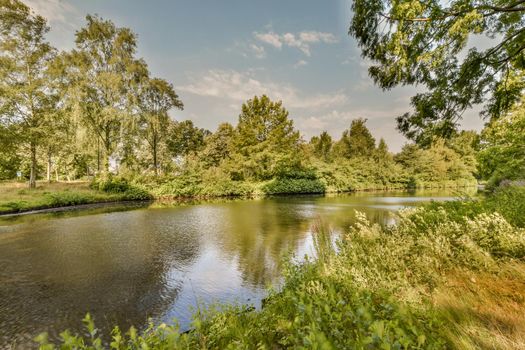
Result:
[[126, 264]]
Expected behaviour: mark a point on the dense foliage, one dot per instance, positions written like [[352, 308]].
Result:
[[427, 43], [374, 292], [503, 152]]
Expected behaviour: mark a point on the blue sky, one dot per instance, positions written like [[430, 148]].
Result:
[[218, 54]]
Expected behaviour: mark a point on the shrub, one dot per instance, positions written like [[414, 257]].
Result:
[[293, 186], [111, 185], [65, 198]]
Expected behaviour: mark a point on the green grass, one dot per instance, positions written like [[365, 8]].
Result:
[[17, 197], [441, 278]]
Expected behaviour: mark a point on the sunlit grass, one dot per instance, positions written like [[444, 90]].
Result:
[[484, 310], [17, 197]]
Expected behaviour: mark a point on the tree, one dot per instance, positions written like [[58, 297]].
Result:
[[503, 147], [185, 138], [423, 42], [434, 164], [265, 139], [381, 153], [10, 160], [322, 146], [26, 96], [357, 141], [157, 98], [104, 72], [218, 145]]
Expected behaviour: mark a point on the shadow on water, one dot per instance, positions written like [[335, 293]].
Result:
[[125, 264]]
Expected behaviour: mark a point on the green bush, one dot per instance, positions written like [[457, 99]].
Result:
[[293, 186], [509, 201], [111, 185], [122, 188], [65, 198]]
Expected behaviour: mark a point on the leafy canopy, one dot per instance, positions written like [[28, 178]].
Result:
[[27, 94], [503, 147], [414, 42]]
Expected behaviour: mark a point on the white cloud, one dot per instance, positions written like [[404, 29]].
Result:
[[316, 37], [269, 38], [301, 41], [239, 87], [258, 51], [300, 63], [55, 11]]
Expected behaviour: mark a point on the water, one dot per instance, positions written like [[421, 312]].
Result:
[[126, 264]]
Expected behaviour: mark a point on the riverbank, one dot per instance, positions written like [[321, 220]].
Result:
[[16, 198], [447, 275]]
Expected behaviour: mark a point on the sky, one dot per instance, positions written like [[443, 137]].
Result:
[[218, 54]]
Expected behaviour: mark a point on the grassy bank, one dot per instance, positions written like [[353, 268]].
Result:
[[16, 197], [193, 187], [447, 275]]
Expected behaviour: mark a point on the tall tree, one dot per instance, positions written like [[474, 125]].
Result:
[[503, 148], [357, 141], [104, 70], [156, 100], [425, 43], [185, 138], [265, 138], [322, 145], [26, 96], [218, 145], [381, 153]]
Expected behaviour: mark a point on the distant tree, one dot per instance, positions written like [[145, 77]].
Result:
[[466, 143], [357, 141], [409, 156], [10, 160], [218, 145], [156, 99], [27, 97], [425, 43], [185, 138], [434, 164], [381, 153], [103, 73], [322, 146], [502, 156], [266, 139]]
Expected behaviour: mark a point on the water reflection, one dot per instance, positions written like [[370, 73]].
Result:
[[158, 261]]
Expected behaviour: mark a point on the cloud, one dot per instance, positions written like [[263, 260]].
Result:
[[258, 51], [300, 63], [302, 40], [269, 38], [239, 87], [55, 11]]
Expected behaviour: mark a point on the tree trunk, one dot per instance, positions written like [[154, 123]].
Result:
[[56, 173], [32, 175], [155, 158], [49, 166], [107, 146], [98, 156]]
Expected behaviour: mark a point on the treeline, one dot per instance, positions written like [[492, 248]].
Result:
[[77, 112], [97, 110]]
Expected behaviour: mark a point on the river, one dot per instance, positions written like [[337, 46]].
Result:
[[126, 264]]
